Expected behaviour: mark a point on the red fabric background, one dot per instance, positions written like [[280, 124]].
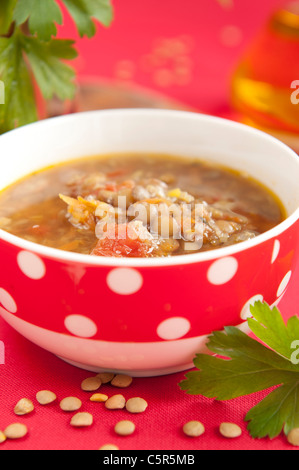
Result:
[[215, 38]]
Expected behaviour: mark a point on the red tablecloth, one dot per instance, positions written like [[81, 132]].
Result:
[[208, 40]]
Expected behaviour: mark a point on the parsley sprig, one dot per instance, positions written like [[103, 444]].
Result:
[[242, 365], [30, 53]]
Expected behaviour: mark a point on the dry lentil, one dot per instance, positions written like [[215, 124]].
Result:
[[124, 428], [193, 429], [91, 384], [122, 381], [16, 431], [80, 420], [99, 397], [230, 430], [109, 447], [106, 377], [293, 437], [136, 405], [116, 402], [45, 397], [70, 404], [23, 407]]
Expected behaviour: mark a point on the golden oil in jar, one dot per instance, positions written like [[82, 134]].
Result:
[[265, 86]]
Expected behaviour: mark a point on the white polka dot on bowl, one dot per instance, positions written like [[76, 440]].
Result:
[[173, 328], [7, 301], [222, 271], [284, 283], [124, 281], [31, 265], [81, 326], [276, 249]]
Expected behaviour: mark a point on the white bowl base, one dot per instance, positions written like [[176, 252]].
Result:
[[135, 373]]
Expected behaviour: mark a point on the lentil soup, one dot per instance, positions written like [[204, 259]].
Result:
[[138, 206]]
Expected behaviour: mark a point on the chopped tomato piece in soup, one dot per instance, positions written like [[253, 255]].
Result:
[[122, 248], [124, 243]]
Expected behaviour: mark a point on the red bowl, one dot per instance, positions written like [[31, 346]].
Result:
[[144, 316]]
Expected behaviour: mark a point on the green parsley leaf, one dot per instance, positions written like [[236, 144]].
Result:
[[270, 328], [52, 75], [83, 12], [252, 367], [30, 54], [247, 366], [17, 54], [42, 16], [279, 409], [19, 108], [6, 15]]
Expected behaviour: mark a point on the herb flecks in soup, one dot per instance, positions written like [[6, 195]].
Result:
[[138, 206]]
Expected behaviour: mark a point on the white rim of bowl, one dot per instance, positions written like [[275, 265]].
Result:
[[77, 258]]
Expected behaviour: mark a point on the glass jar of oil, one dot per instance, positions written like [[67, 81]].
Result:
[[265, 86]]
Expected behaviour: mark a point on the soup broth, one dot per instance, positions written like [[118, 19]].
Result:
[[138, 206]]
